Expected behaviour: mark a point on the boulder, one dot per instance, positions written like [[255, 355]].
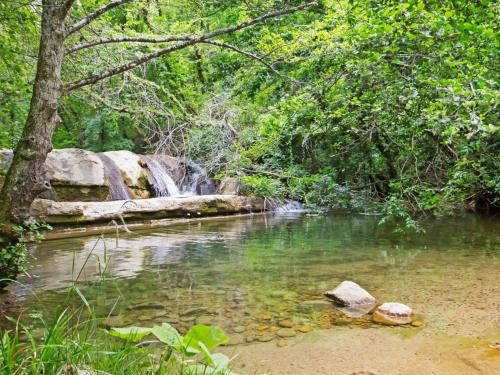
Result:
[[132, 171], [230, 186], [393, 314], [76, 175], [350, 294]]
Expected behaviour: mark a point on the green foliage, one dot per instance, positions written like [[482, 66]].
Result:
[[74, 341], [13, 256], [199, 339], [371, 104], [263, 186]]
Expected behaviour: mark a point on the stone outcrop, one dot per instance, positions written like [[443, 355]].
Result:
[[230, 186], [350, 294], [53, 212], [393, 314], [76, 175], [133, 173], [83, 176]]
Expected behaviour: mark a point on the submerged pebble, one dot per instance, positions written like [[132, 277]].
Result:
[[286, 332]]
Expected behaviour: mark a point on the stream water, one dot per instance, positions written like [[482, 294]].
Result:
[[246, 274]]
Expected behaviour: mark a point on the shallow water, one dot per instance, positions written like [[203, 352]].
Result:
[[246, 274]]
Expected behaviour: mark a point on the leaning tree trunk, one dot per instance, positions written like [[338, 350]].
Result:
[[26, 177]]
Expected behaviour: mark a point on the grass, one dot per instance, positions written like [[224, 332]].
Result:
[[75, 342]]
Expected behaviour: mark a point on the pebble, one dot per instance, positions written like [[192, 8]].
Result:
[[285, 323], [282, 343], [239, 329], [194, 311], [305, 328], [264, 316], [265, 338], [286, 332]]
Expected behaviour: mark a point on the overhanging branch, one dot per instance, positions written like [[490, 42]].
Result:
[[95, 14], [189, 41]]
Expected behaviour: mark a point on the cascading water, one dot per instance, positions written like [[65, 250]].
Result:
[[197, 181], [117, 187], [162, 183]]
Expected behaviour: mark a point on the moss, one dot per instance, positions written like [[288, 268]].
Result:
[[67, 193]]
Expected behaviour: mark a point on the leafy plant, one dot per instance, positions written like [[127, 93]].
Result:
[[13, 256], [180, 351]]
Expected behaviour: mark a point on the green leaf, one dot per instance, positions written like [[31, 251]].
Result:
[[133, 333], [167, 335], [209, 336]]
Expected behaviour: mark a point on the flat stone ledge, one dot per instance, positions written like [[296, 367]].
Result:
[[72, 213]]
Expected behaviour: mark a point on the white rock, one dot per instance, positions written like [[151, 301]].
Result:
[[393, 313], [348, 293], [76, 167], [155, 208], [129, 165]]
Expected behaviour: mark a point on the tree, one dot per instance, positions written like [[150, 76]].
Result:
[[62, 34]]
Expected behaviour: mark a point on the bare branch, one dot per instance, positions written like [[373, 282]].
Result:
[[95, 14], [125, 39], [189, 42], [245, 53]]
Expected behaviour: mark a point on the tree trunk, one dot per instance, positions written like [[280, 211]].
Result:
[[26, 178]]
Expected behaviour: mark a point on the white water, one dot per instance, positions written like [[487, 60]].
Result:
[[162, 183]]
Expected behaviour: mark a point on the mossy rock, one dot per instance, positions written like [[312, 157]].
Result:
[[66, 193]]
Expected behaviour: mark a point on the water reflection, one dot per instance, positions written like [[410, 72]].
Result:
[[248, 274]]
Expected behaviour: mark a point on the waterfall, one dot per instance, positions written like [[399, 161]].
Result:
[[197, 182], [117, 187], [162, 183]]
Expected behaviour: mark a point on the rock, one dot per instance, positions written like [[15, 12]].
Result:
[[265, 338], [230, 186], [250, 338], [393, 313], [133, 173], [286, 332], [348, 293], [205, 320], [285, 323], [263, 316], [76, 175], [417, 323], [193, 311], [239, 329], [147, 306], [143, 209], [282, 343], [262, 327], [305, 328]]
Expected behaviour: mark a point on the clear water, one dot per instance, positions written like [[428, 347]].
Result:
[[246, 274]]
